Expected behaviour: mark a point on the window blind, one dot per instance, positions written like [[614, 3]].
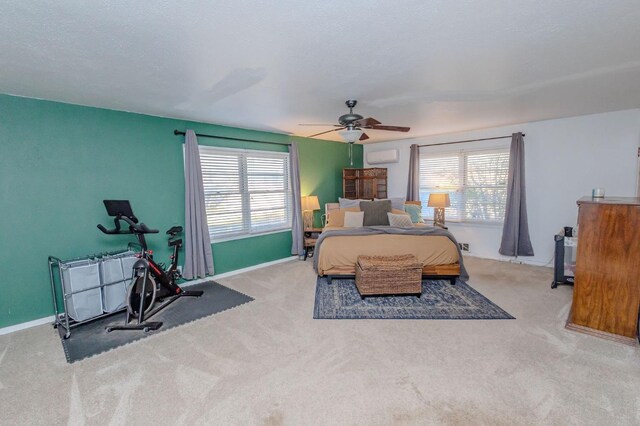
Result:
[[476, 181], [246, 191]]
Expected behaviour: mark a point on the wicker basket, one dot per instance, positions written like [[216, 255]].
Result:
[[388, 275]]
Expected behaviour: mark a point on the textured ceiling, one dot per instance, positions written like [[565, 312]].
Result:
[[437, 66]]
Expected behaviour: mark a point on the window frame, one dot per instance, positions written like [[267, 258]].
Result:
[[462, 155], [248, 229]]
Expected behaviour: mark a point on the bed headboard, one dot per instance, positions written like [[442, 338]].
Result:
[[328, 207], [331, 206]]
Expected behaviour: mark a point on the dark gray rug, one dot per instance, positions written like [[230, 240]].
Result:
[[439, 300], [91, 339]]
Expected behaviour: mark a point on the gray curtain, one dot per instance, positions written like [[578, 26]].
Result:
[[297, 231], [198, 259], [413, 185], [515, 232]]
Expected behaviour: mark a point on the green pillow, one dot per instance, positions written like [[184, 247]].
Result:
[[415, 212]]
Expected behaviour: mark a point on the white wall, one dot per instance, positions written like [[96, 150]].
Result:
[[564, 160]]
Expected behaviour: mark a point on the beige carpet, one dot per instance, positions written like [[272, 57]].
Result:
[[268, 362]]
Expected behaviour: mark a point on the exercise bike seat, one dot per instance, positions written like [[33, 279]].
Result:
[[174, 230]]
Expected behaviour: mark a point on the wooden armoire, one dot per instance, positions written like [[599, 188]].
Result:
[[606, 294], [364, 183]]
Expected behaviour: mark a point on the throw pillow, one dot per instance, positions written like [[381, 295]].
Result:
[[396, 202], [415, 212], [336, 217], [353, 219], [400, 220], [375, 212], [346, 203]]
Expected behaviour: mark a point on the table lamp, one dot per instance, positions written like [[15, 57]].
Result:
[[438, 202], [309, 204]]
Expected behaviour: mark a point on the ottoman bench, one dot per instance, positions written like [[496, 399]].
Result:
[[379, 275]]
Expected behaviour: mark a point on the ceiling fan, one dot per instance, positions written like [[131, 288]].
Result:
[[351, 125]]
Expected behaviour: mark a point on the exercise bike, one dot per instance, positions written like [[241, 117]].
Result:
[[150, 282]]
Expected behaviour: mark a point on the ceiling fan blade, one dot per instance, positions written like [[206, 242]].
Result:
[[328, 131], [364, 137], [391, 128], [366, 122], [318, 125]]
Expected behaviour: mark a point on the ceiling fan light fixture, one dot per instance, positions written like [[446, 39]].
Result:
[[351, 135]]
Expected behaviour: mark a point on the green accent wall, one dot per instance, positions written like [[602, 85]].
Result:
[[59, 161]]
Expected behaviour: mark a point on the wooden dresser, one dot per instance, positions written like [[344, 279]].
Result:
[[364, 183], [606, 292]]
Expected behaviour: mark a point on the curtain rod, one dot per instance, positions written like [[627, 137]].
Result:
[[178, 132], [469, 140]]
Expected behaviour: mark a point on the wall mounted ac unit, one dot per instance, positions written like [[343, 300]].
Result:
[[381, 157]]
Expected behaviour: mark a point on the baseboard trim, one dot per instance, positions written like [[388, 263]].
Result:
[[49, 319], [28, 324], [238, 271], [513, 260]]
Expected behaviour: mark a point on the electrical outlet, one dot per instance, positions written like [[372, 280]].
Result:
[[463, 246]]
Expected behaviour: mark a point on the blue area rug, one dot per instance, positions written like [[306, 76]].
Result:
[[439, 300]]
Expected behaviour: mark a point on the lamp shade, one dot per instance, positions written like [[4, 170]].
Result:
[[439, 200], [310, 202], [351, 135]]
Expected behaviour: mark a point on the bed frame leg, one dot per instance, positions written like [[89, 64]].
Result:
[[453, 280]]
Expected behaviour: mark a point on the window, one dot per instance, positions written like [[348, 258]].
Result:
[[476, 181], [246, 192]]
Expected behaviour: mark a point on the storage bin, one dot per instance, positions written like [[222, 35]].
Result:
[[127, 267], [115, 273], [400, 274], [77, 276], [113, 290]]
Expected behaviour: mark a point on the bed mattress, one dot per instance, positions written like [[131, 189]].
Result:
[[339, 254]]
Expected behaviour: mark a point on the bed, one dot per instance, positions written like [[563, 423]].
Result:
[[338, 248]]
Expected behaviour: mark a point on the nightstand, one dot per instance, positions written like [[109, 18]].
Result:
[[310, 238]]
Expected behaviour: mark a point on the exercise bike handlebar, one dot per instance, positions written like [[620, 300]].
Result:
[[141, 227], [112, 231], [134, 228]]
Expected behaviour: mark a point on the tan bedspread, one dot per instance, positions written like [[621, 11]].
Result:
[[343, 251]]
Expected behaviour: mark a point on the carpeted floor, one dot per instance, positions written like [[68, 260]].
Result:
[[269, 362]]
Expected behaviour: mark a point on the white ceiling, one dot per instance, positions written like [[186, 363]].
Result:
[[438, 66]]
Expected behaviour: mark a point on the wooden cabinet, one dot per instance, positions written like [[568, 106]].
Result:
[[364, 183], [606, 294]]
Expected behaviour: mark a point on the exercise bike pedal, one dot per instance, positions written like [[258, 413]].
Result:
[[192, 293]]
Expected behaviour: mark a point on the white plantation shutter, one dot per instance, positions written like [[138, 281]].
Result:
[[246, 191], [476, 181]]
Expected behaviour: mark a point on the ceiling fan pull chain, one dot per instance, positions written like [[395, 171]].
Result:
[[351, 153]]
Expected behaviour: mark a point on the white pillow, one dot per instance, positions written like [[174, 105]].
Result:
[[346, 203], [399, 220], [354, 219], [396, 202]]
